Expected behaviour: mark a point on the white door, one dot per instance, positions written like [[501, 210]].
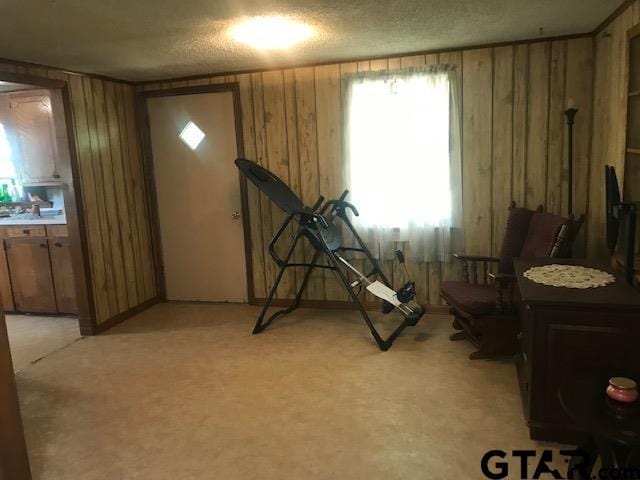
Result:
[[199, 198]]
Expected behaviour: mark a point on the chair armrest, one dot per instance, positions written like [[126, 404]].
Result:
[[475, 258], [470, 267], [503, 277]]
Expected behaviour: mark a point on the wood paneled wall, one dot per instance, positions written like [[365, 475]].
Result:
[[113, 190], [514, 142], [610, 115]]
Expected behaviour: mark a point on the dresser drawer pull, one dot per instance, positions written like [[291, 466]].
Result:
[[58, 244], [26, 231], [43, 245]]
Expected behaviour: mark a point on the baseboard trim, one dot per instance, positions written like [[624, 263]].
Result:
[[342, 305], [278, 302], [121, 317]]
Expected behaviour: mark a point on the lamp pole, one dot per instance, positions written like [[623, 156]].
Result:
[[570, 113]]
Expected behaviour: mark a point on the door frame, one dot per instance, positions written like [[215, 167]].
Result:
[[74, 208], [142, 110]]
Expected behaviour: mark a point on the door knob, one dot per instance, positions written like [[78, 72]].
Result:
[[235, 215]]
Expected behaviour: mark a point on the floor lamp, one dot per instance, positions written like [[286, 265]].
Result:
[[570, 113]]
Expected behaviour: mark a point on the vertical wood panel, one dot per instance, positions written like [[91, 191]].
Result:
[[291, 115], [308, 162], [110, 288], [394, 63], [121, 195], [89, 197], [329, 131], [110, 197], [520, 115], [132, 228], [556, 146], [476, 149], [261, 158], [277, 160], [609, 120], [537, 124], [502, 142], [142, 215], [249, 143], [580, 87]]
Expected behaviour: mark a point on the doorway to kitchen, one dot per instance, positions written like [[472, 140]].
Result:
[[42, 267], [193, 137]]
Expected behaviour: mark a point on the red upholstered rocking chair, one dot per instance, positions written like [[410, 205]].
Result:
[[483, 304]]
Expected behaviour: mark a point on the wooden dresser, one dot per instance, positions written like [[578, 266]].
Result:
[[566, 332]]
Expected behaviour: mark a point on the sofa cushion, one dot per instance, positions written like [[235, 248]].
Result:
[[470, 298]]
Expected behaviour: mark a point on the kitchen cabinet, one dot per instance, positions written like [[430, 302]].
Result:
[[30, 272], [33, 125], [62, 270], [36, 271]]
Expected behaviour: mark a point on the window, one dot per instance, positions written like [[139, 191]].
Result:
[[7, 170], [191, 135], [400, 159]]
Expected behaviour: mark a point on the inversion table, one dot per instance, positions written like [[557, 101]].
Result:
[[317, 225]]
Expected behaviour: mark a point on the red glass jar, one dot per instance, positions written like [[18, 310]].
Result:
[[622, 389]]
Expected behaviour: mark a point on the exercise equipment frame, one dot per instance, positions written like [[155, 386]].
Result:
[[316, 224]]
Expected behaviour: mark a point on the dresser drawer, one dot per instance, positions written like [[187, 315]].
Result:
[[57, 231], [24, 231]]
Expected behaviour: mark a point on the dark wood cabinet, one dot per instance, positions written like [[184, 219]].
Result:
[[568, 332], [62, 270], [30, 271]]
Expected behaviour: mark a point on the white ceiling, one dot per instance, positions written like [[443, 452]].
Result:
[[152, 39]]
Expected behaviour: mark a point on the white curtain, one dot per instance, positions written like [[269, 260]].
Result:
[[402, 160]]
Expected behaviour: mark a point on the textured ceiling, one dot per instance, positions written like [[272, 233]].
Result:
[[152, 39]]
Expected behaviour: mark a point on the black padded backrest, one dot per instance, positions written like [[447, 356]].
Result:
[[612, 199], [269, 184]]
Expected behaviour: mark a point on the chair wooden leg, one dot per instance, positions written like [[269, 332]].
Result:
[[457, 336]]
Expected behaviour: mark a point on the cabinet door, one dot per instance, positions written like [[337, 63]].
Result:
[[30, 270], [35, 133], [5, 281], [62, 268]]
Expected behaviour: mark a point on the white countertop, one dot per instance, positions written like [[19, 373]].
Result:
[[52, 220]]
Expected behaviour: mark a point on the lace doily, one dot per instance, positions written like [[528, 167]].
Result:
[[570, 276]]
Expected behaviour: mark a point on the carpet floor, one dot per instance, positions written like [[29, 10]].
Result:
[[33, 337], [184, 391]]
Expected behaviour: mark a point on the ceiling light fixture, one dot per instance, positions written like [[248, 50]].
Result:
[[270, 33]]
